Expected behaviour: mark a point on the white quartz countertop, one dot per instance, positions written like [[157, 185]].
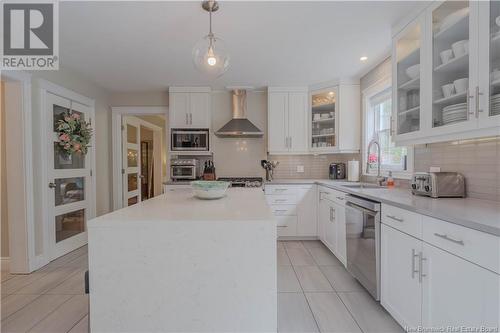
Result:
[[239, 204], [482, 215]]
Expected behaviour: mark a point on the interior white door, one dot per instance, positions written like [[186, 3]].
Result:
[[70, 194], [131, 165]]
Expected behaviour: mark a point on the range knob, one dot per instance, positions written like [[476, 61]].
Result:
[[414, 186], [427, 188]]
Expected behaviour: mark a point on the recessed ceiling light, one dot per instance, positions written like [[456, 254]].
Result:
[[363, 58]]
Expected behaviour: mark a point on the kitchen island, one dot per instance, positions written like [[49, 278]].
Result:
[[176, 263]]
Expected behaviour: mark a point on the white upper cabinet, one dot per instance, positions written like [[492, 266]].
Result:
[[457, 44], [408, 50], [189, 107], [287, 120], [335, 119]]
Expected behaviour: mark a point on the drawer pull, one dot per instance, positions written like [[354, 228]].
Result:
[[280, 200], [395, 218], [421, 274], [282, 226], [413, 270], [279, 189], [280, 210], [444, 236], [340, 198]]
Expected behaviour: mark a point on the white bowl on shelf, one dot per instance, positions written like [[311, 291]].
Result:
[[460, 48], [446, 56], [461, 85], [413, 72], [448, 90]]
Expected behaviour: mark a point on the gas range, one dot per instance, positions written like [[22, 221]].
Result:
[[243, 181]]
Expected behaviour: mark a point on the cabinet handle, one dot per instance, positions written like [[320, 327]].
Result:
[[282, 226], [290, 142], [279, 189], [478, 93], [395, 218], [52, 185], [190, 119], [280, 210], [391, 132], [444, 236], [421, 274], [467, 102], [280, 200], [187, 119], [413, 256], [340, 198]]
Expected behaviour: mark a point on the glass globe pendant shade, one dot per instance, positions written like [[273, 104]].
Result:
[[210, 56]]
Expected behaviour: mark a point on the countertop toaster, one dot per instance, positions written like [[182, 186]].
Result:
[[438, 184]]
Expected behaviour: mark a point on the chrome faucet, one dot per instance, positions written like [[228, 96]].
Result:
[[380, 179]]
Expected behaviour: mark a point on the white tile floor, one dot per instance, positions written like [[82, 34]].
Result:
[[315, 294]]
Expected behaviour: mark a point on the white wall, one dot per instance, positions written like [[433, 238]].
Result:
[[74, 81]]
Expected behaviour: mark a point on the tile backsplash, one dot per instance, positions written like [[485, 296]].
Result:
[[315, 166], [478, 160]]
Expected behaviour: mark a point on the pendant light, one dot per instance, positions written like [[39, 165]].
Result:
[[209, 54]]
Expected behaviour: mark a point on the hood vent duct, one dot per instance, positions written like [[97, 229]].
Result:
[[239, 126]]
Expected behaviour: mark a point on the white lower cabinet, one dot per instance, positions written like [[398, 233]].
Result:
[[457, 292], [423, 285], [331, 224], [401, 293], [294, 207]]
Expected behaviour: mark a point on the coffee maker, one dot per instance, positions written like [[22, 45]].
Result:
[[337, 171]]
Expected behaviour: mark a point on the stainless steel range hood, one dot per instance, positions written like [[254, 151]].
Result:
[[239, 126]]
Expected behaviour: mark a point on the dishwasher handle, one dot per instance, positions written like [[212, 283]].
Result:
[[363, 209]]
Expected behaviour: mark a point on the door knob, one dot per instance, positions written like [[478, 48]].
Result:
[[52, 185]]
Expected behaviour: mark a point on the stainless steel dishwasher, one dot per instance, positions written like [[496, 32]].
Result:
[[363, 242]]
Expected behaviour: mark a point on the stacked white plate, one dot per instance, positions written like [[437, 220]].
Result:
[[495, 105], [454, 113]]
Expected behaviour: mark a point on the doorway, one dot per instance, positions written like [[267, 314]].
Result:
[[141, 158], [16, 176]]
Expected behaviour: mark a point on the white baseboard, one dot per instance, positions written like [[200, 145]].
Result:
[[5, 263], [38, 262]]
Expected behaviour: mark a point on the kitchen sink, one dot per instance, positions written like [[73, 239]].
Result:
[[363, 186]]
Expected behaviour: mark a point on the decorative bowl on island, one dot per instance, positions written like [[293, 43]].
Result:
[[208, 190]]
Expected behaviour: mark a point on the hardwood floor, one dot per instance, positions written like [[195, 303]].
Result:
[[315, 294], [49, 300]]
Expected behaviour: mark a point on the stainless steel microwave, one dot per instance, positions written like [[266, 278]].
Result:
[[189, 140]]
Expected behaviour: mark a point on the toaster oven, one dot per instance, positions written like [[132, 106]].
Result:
[[438, 184]]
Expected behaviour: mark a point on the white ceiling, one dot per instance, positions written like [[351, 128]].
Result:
[[143, 46]]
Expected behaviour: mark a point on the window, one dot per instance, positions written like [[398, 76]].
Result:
[[377, 126]]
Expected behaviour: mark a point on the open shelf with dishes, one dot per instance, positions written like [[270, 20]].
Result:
[[450, 62]]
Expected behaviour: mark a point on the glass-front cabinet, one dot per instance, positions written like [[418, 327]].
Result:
[[488, 91], [324, 106], [453, 65], [407, 78]]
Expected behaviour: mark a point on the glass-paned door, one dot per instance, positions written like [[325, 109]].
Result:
[[408, 79], [131, 144], [452, 65], [70, 194], [323, 119]]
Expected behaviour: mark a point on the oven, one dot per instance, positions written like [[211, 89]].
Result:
[[189, 140], [184, 169]]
